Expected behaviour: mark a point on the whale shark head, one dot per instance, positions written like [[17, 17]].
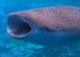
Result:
[[50, 24]]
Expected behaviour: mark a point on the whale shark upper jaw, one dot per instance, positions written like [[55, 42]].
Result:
[[19, 27]]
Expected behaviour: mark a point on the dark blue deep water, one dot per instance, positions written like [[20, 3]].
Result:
[[10, 47]]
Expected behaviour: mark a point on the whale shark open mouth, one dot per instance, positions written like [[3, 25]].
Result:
[[18, 27]]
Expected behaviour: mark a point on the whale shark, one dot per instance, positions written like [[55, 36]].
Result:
[[48, 25]]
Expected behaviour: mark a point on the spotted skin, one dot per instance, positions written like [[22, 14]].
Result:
[[53, 18]]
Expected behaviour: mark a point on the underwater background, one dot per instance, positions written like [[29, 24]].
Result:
[[10, 47]]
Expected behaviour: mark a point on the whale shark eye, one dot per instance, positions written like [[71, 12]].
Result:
[[17, 27]]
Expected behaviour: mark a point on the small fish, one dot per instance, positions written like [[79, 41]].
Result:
[[49, 24]]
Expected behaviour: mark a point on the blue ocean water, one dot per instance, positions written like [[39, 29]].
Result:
[[10, 47]]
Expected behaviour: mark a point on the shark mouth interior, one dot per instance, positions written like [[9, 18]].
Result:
[[18, 27]]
